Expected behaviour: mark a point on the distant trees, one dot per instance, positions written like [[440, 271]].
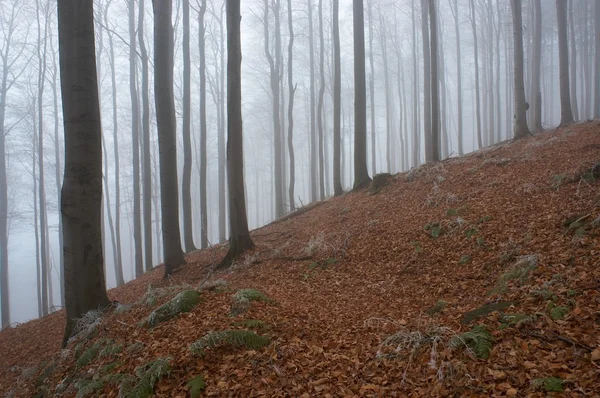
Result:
[[361, 174], [520, 124], [240, 239], [167, 142], [82, 187], [566, 112]]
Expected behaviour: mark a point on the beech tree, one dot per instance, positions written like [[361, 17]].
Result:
[[566, 112], [82, 187], [240, 239], [167, 142], [337, 101], [520, 123]]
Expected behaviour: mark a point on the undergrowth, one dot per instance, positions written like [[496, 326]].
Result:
[[234, 338]]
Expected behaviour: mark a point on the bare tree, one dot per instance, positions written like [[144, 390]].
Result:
[[320, 102], [337, 100], [240, 239], [536, 61], [372, 91], [459, 88], [82, 187], [477, 92], [292, 89], [597, 60], [435, 85], [573, 66], [203, 127], [361, 174], [135, 134], [313, 135], [416, 139], [520, 124], [566, 112], [426, 79], [167, 141]]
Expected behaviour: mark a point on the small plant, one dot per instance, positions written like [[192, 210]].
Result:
[[110, 350], [480, 241], [255, 324], [196, 386], [315, 244], [183, 302], [464, 259], [135, 347], [242, 298], [434, 229], [417, 245], [147, 377], [471, 232], [516, 319], [436, 308], [519, 273], [557, 312], [90, 354], [558, 180], [549, 384], [235, 338], [87, 387], [478, 340]]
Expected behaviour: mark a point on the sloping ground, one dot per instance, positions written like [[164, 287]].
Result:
[[515, 227]]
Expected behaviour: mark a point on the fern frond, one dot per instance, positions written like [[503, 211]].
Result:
[[148, 375], [235, 338], [478, 340]]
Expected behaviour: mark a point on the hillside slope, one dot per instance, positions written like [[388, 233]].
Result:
[[367, 293]]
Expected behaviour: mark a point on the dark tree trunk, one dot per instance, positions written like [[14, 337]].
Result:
[[320, 103], [458, 80], [203, 129], [167, 141], [520, 124], [372, 91], [536, 63], [186, 189], [361, 174], [426, 79], [416, 139], [573, 66], [477, 92], [435, 85], [82, 187], [566, 112], [314, 175], [240, 239], [597, 60], [337, 100], [292, 89]]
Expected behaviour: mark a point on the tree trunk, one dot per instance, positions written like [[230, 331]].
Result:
[[320, 102], [119, 253], [597, 60], [573, 66], [240, 239], [337, 101], [372, 92], [435, 86], [536, 70], [135, 133], [566, 112], [426, 79], [186, 190], [416, 139], [459, 105], [292, 89], [203, 129], [361, 174], [167, 138], [221, 139], [82, 187], [520, 123], [388, 99], [313, 135], [477, 92]]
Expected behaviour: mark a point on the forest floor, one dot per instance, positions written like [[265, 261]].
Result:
[[476, 276]]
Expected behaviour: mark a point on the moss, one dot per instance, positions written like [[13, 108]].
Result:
[[183, 302], [549, 384]]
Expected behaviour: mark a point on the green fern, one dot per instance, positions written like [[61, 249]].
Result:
[[242, 298], [478, 340], [235, 338], [87, 387], [110, 351], [88, 356], [148, 375], [183, 302], [196, 385]]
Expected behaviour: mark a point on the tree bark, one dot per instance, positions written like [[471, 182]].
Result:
[[337, 101], [597, 60], [292, 89], [320, 102], [203, 128], [426, 79], [361, 174], [314, 175], [167, 141], [536, 70], [416, 139], [566, 112], [573, 66], [459, 105], [520, 123], [240, 239], [82, 187], [435, 86], [372, 92], [477, 92]]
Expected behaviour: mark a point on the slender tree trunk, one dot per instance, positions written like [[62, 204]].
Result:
[[167, 141], [388, 95], [426, 79], [597, 60], [566, 112], [361, 174], [135, 133], [313, 135], [146, 161], [573, 66], [292, 89], [416, 140], [337, 101], [118, 250], [221, 139], [459, 87], [81, 199], [477, 92], [435, 85], [36, 219], [372, 92], [320, 102], [111, 224], [186, 189], [536, 72], [520, 124], [240, 239], [203, 129]]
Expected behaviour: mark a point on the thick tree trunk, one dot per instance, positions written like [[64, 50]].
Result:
[[240, 240], [566, 112], [221, 139], [82, 187], [337, 101], [186, 189], [361, 174], [520, 123], [167, 141]]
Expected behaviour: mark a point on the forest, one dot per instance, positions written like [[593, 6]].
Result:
[[137, 136]]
